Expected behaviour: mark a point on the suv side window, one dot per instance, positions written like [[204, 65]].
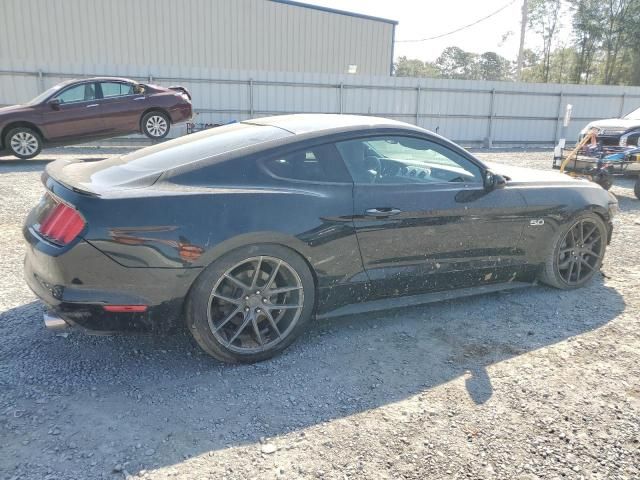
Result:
[[314, 164], [115, 89], [398, 159], [80, 93]]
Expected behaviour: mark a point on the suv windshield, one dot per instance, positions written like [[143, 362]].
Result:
[[635, 115]]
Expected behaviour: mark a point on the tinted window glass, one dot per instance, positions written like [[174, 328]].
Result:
[[116, 89], [79, 93], [396, 159], [198, 146], [315, 164]]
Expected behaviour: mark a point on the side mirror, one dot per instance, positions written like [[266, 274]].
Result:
[[493, 181], [54, 103]]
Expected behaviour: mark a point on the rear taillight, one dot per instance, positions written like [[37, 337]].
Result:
[[61, 224]]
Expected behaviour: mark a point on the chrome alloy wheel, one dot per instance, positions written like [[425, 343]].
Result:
[[580, 253], [156, 125], [255, 304], [24, 143]]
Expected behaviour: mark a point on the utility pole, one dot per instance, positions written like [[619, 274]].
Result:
[[523, 30]]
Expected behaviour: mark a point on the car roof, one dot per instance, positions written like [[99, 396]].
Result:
[[319, 122], [96, 79]]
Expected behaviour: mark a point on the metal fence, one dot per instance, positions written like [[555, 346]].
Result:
[[469, 112]]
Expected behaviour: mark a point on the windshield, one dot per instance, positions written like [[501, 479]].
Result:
[[44, 95], [635, 115]]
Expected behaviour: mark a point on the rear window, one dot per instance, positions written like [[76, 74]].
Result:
[[201, 145]]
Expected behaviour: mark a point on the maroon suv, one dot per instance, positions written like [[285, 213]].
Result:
[[81, 110]]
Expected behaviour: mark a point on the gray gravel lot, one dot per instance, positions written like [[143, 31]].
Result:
[[525, 384]]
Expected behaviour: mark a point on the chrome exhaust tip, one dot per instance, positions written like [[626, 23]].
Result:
[[54, 322]]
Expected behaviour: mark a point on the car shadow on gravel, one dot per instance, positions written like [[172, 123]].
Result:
[[147, 402], [11, 165]]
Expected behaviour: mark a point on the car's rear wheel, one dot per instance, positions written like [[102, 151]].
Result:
[[23, 142], [577, 253], [155, 125], [251, 304]]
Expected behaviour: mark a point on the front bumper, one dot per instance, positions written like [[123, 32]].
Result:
[[77, 284]]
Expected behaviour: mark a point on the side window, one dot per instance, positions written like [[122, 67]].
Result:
[[314, 164], [115, 89], [397, 159], [79, 93]]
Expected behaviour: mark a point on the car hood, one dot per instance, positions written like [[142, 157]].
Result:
[[520, 175], [13, 109], [616, 124]]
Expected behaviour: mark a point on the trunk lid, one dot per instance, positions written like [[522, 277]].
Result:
[[98, 176]]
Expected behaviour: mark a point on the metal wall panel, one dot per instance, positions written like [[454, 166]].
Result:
[[471, 112], [224, 34]]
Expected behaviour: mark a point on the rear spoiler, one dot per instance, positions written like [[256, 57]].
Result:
[[53, 171], [181, 89]]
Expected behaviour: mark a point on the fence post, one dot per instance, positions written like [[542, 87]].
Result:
[[418, 106], [489, 139], [251, 98], [341, 95], [41, 80], [150, 78], [559, 118], [622, 100]]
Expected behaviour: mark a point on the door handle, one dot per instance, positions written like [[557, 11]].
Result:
[[139, 98], [382, 212], [92, 105]]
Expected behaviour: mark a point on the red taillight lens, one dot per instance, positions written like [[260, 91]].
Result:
[[62, 224], [125, 308]]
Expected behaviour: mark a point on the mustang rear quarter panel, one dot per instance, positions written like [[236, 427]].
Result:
[[193, 229]]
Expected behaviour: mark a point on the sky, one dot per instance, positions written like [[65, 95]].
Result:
[[427, 18]]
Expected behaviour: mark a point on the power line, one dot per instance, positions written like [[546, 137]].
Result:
[[460, 28]]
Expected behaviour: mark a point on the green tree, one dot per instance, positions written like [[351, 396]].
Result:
[[618, 25], [562, 64], [492, 66], [412, 67], [633, 46], [454, 62], [544, 20], [587, 37]]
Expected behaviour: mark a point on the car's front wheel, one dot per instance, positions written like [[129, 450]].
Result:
[[251, 304], [23, 142], [577, 253], [155, 125]]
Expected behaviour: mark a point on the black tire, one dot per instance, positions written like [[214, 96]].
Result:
[[555, 272], [23, 142], [214, 322], [155, 124], [636, 188]]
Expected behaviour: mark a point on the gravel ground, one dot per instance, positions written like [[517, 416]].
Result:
[[527, 384]]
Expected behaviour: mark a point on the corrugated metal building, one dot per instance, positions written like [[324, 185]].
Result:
[[275, 35]]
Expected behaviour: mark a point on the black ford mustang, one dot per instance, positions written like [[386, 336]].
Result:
[[249, 230]]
